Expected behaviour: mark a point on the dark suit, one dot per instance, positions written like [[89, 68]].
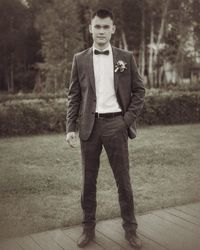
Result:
[[110, 133], [82, 98]]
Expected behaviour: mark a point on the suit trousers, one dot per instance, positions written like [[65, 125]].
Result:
[[110, 133]]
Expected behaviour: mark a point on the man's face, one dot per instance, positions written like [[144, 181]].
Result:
[[101, 30]]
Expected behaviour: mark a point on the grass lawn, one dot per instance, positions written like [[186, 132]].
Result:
[[40, 178]]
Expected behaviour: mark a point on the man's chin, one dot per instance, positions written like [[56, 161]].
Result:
[[102, 43]]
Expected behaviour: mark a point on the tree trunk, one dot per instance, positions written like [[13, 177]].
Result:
[[179, 54], [11, 89], [142, 44], [124, 41], [150, 68], [7, 79], [160, 76], [159, 40], [55, 83], [181, 68], [120, 44], [11, 74], [161, 31]]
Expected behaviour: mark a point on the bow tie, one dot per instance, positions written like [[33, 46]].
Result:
[[98, 52]]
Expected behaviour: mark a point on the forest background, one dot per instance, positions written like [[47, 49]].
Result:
[[39, 38]]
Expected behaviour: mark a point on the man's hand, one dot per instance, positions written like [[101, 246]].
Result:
[[71, 139]]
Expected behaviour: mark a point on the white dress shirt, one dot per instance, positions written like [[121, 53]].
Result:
[[104, 83]]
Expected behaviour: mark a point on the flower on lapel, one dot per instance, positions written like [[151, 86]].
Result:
[[120, 66]]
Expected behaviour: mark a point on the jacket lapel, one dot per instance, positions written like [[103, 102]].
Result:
[[116, 75], [91, 69]]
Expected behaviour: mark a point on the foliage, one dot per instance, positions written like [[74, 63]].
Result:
[[31, 96], [59, 27], [19, 46], [33, 116], [171, 108], [39, 39]]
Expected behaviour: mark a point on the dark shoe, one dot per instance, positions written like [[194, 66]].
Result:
[[85, 238], [133, 239]]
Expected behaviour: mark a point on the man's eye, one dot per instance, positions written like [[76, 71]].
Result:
[[97, 26], [106, 27]]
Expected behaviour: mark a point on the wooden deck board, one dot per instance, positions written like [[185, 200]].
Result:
[[110, 232], [176, 237], [106, 243], [45, 241], [63, 240], [28, 243], [147, 243], [189, 211], [154, 233], [177, 220], [183, 215], [172, 229], [195, 206]]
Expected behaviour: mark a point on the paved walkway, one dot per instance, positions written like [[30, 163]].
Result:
[[175, 228]]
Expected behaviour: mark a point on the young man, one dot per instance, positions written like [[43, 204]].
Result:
[[106, 94]]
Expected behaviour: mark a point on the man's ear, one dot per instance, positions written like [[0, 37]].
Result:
[[90, 28], [113, 29]]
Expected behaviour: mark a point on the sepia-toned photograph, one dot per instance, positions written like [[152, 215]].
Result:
[[99, 124]]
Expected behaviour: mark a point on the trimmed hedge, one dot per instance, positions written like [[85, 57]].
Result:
[[30, 96], [20, 118], [34, 116], [171, 108]]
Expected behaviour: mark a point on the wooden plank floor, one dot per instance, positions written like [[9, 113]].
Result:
[[175, 228]]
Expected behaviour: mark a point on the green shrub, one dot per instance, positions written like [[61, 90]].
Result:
[[32, 118], [46, 115], [171, 108], [31, 96]]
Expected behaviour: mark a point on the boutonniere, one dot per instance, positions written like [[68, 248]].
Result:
[[120, 66]]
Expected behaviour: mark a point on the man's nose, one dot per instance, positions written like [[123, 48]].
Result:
[[101, 30]]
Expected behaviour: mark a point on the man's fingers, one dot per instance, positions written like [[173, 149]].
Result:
[[70, 143], [70, 140]]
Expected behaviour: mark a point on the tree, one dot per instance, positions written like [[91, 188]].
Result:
[[39, 38], [195, 13], [178, 35], [18, 46], [59, 27], [156, 12]]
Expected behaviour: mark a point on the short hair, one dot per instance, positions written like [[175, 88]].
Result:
[[103, 13]]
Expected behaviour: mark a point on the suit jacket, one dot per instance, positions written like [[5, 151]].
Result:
[[128, 85]]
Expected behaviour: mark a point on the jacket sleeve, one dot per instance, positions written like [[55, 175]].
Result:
[[74, 99], [137, 96]]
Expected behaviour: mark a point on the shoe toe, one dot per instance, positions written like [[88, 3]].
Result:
[[85, 239], [134, 241]]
